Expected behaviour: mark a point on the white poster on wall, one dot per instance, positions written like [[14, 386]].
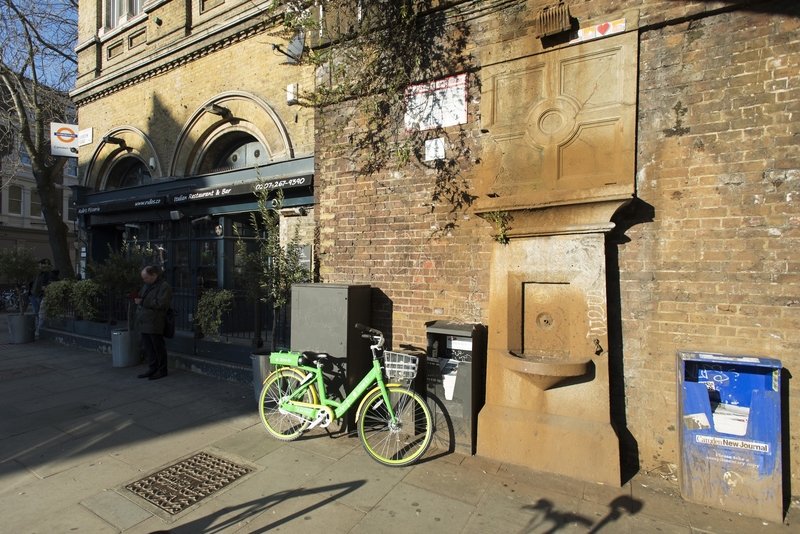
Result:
[[437, 104]]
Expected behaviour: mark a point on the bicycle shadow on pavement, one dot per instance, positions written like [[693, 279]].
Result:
[[548, 520], [443, 441], [250, 510]]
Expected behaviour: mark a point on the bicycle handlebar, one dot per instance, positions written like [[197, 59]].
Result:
[[375, 335], [372, 331]]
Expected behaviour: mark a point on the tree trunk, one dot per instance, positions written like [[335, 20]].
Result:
[[57, 230], [274, 345], [257, 341]]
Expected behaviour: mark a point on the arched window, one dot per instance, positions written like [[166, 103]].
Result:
[[236, 150], [128, 172]]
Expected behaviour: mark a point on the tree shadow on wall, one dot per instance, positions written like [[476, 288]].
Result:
[[635, 213]]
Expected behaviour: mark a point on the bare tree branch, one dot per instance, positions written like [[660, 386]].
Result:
[[37, 68]]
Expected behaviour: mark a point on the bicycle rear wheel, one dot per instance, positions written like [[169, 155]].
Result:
[[402, 442], [281, 385]]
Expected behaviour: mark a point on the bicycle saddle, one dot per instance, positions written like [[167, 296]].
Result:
[[309, 357]]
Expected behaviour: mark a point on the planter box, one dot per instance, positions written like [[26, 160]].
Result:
[[82, 327], [227, 352]]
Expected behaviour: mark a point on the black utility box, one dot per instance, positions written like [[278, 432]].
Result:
[[455, 379]]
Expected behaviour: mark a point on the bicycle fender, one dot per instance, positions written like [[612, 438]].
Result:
[[365, 397], [292, 369]]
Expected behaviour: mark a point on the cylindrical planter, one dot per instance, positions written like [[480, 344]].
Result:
[[261, 369], [126, 348], [21, 328]]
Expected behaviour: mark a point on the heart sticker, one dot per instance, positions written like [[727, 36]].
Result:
[[603, 28]]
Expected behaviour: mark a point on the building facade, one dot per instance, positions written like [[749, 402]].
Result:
[[188, 112], [609, 194]]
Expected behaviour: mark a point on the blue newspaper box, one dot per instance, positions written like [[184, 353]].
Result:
[[730, 432]]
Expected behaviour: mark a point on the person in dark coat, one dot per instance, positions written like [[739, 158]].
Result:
[[153, 302], [36, 291]]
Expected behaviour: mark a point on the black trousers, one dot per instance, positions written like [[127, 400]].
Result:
[[156, 349]]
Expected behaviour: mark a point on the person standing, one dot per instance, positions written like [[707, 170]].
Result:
[[153, 302], [36, 291]]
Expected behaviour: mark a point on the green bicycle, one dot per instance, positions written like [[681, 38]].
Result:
[[394, 423]]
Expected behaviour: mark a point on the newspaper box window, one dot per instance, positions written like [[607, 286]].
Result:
[[730, 432]]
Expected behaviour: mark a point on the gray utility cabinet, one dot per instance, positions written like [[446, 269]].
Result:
[[323, 320]]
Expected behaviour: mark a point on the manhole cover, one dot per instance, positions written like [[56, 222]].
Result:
[[181, 485], [23, 372]]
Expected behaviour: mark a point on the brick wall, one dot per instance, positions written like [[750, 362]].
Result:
[[704, 259], [710, 261], [425, 259]]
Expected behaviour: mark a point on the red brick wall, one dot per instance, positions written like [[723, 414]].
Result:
[[706, 258], [718, 268], [426, 259]]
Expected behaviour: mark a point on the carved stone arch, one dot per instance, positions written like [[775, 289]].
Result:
[[228, 114], [117, 144]]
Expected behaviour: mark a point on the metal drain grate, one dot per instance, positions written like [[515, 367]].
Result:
[[181, 485]]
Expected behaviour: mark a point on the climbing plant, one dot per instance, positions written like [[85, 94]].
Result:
[[269, 270], [365, 55]]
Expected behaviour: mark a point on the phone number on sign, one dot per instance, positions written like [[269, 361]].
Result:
[[292, 182]]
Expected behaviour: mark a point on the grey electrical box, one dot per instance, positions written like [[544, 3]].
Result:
[[323, 320]]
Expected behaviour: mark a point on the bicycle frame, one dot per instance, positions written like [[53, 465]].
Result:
[[314, 375]]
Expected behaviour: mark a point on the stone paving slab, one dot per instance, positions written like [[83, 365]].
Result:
[[74, 431], [116, 510]]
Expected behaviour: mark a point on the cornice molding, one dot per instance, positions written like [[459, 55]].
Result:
[[159, 63]]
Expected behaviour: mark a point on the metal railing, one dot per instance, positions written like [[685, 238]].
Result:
[[237, 324]]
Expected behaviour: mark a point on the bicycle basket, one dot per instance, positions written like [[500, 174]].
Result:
[[399, 366]]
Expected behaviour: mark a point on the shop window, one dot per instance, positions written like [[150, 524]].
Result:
[[36, 204], [181, 249], [207, 262], [159, 256], [182, 278], [15, 200]]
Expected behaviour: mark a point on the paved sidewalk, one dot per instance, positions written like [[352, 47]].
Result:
[[74, 431]]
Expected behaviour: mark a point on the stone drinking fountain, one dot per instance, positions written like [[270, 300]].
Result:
[[558, 162]]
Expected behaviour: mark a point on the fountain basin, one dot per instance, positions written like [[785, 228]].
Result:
[[545, 371]]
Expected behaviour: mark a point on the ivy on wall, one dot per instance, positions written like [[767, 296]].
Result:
[[365, 55]]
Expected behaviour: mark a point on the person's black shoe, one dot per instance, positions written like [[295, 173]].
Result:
[[156, 376], [148, 374]]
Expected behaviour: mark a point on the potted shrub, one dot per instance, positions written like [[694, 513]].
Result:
[[119, 275], [85, 294], [19, 265], [58, 297], [210, 309]]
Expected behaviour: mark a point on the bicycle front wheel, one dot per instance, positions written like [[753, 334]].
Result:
[[281, 385], [397, 443]]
